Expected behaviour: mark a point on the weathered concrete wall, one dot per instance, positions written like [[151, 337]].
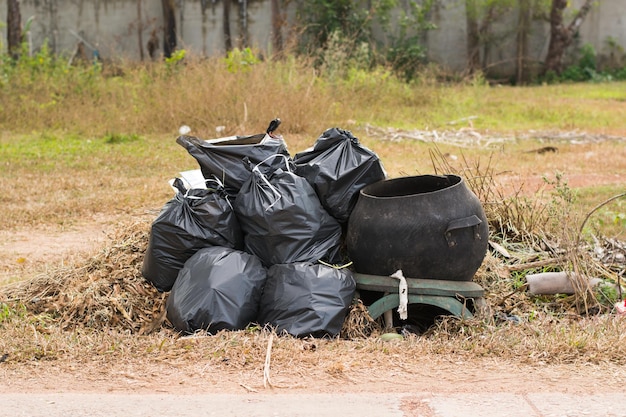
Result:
[[113, 26], [448, 44]]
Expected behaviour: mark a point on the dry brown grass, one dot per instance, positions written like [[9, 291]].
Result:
[[204, 93], [538, 232], [100, 292], [155, 99], [101, 308]]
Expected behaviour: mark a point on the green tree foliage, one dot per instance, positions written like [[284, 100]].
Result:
[[407, 52], [341, 33], [586, 68], [481, 16], [322, 18]]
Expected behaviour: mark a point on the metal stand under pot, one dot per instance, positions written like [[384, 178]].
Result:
[[460, 298], [432, 228]]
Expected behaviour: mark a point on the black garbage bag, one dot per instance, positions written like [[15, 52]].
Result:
[[223, 157], [337, 167], [306, 299], [282, 219], [217, 289], [192, 220]]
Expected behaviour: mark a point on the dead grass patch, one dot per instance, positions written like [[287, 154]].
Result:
[[102, 309], [103, 291]]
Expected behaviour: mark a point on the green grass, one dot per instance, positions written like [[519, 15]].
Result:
[[610, 218], [59, 179], [590, 107]]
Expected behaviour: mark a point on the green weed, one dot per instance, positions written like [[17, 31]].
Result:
[[116, 138], [238, 60], [8, 313]]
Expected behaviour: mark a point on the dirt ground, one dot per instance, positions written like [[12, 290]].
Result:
[[432, 375], [25, 252]]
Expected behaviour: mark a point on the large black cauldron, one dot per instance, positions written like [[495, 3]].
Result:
[[430, 227]]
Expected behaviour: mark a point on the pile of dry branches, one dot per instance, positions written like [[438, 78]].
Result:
[[106, 290]]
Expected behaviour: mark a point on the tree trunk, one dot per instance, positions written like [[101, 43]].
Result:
[[484, 34], [523, 29], [169, 27], [277, 25], [479, 33], [473, 36], [14, 28], [228, 43], [561, 36], [139, 30], [243, 22]]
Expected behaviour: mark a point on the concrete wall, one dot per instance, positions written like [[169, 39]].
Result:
[[113, 27], [447, 44]]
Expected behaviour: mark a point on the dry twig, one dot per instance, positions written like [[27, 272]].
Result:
[[266, 368]]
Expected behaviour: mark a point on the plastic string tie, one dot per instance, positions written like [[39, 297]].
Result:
[[280, 155], [220, 184], [271, 187], [335, 266]]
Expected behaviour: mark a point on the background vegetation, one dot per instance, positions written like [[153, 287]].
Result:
[[240, 92]]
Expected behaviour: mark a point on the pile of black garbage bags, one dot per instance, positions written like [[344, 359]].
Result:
[[262, 243]]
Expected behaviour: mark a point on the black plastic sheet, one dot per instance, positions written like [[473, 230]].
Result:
[[337, 167], [192, 220], [217, 289], [305, 299], [283, 220], [223, 158]]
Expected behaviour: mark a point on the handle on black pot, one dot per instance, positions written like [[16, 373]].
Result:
[[471, 221]]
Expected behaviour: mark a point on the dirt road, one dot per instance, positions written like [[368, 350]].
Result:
[[492, 404], [438, 387]]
